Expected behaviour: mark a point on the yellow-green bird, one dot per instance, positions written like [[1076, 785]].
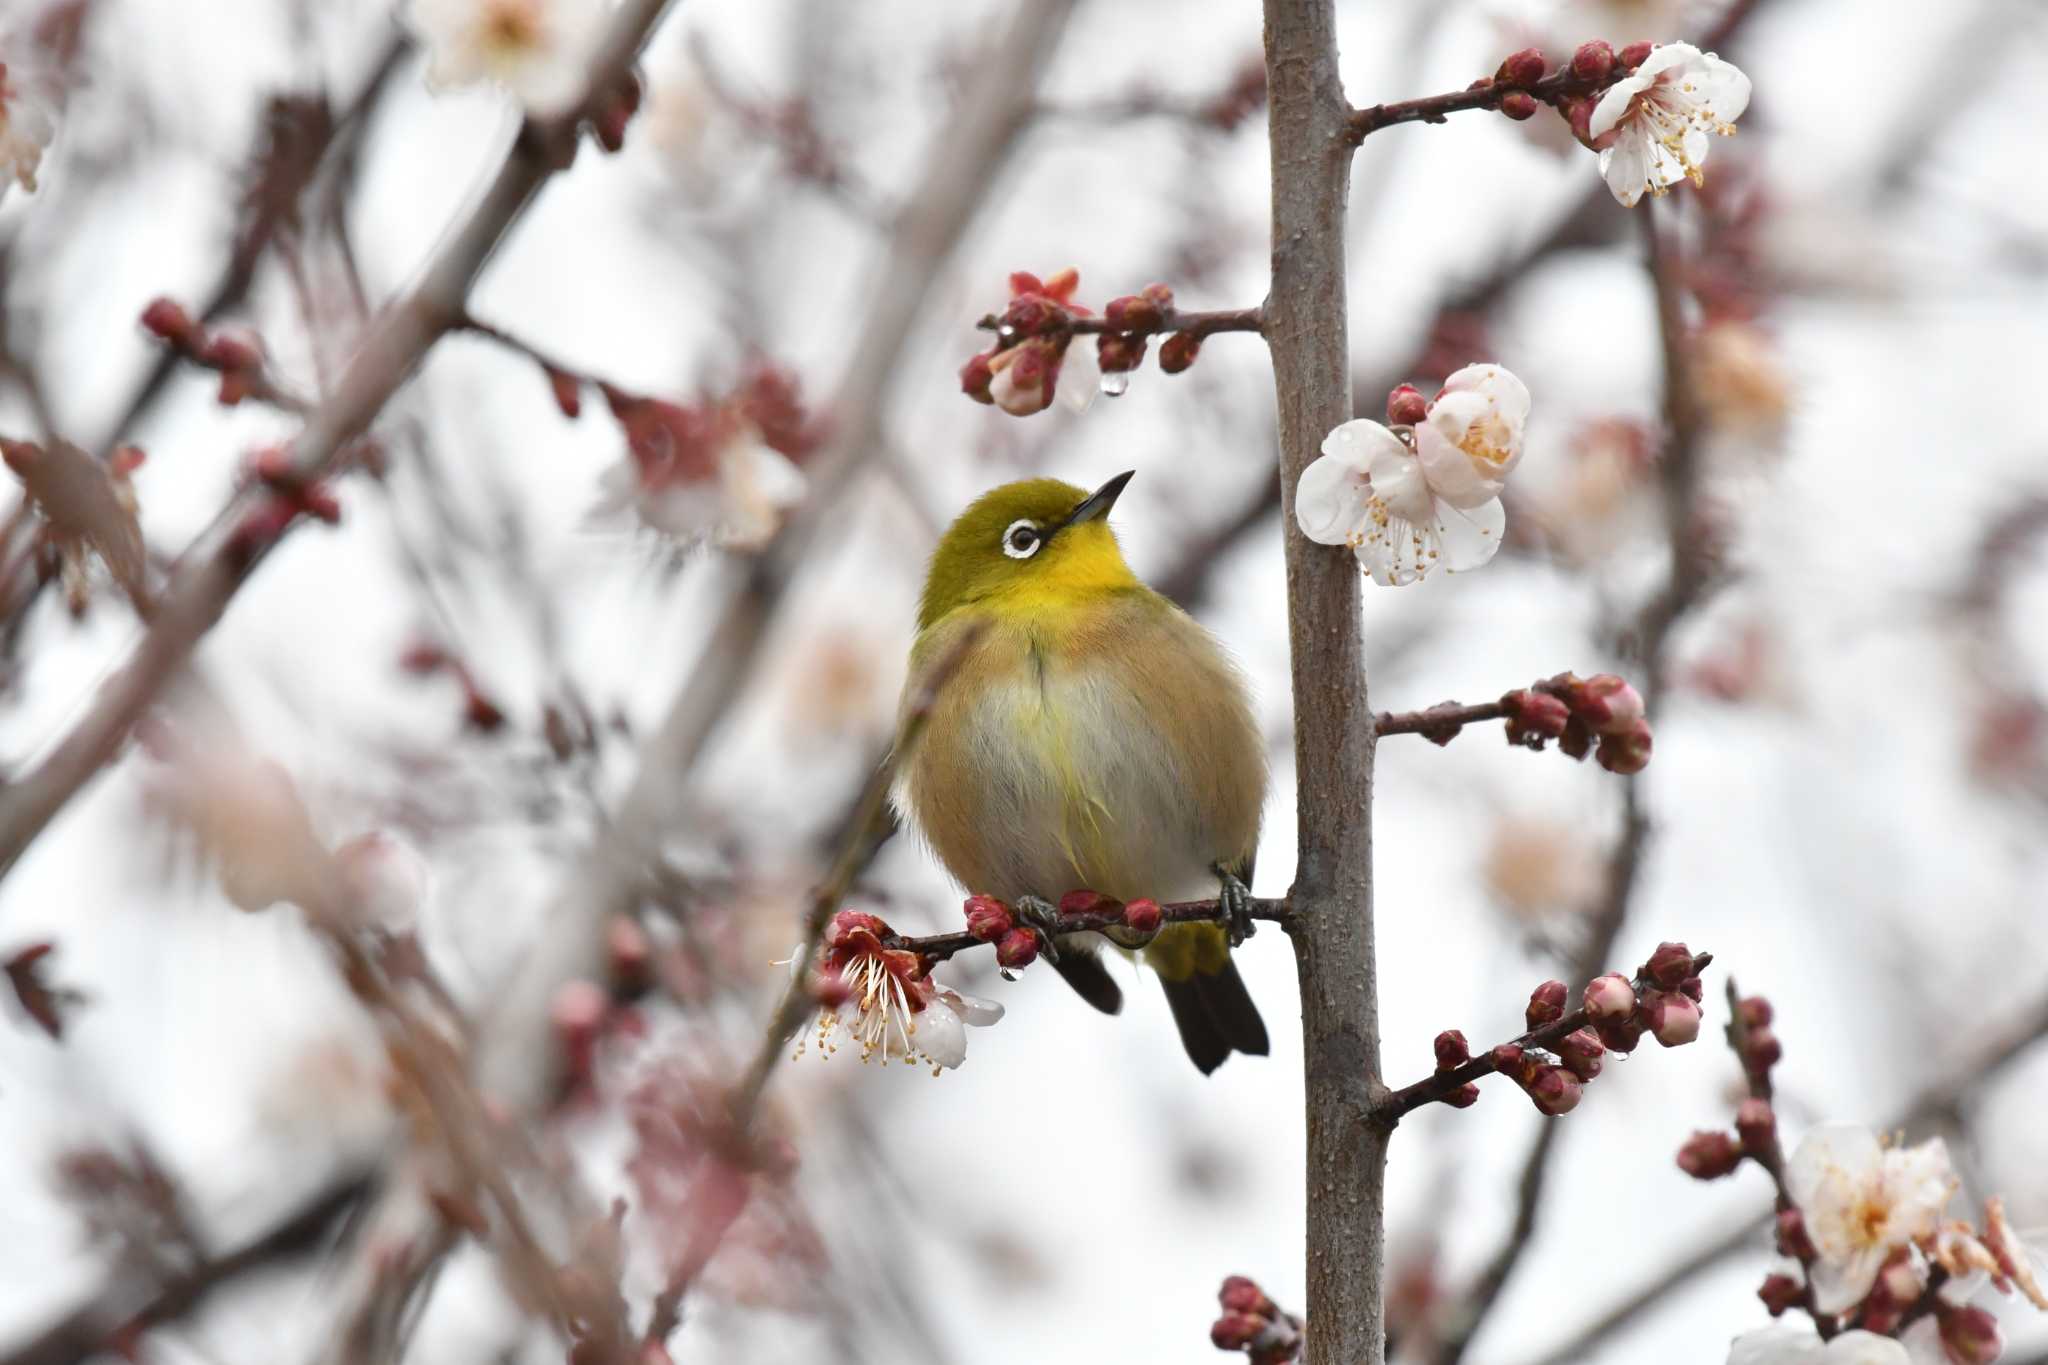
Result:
[[1094, 736]]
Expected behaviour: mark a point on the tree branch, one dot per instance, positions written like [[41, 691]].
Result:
[[939, 947]]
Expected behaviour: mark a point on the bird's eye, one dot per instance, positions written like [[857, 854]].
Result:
[[1022, 540]]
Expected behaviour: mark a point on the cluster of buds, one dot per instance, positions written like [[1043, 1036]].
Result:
[[1139, 316], [429, 658], [1602, 715], [1712, 1153], [291, 495], [237, 356], [1020, 373], [1252, 1323], [1017, 945]]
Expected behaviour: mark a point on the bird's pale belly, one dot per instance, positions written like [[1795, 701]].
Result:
[[1051, 784]]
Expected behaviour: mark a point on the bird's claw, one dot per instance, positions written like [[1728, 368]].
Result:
[[1236, 899], [1042, 918]]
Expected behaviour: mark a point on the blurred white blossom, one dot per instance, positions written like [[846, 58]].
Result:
[[1651, 126], [1862, 1199], [1789, 1345], [539, 50], [1404, 509], [26, 128], [739, 507]]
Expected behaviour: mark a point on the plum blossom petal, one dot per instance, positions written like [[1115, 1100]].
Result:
[[1789, 1345], [539, 50], [1472, 437], [1652, 126], [1861, 1200]]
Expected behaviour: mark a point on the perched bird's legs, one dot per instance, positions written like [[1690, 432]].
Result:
[[1042, 917], [1236, 899]]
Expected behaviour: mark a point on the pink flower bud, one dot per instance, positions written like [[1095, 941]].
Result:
[[1761, 1050], [1509, 1060], [1582, 1051], [1621, 1035], [1576, 741], [1669, 965], [1693, 989], [1671, 1018], [1969, 1335], [167, 319], [1523, 69], [1546, 1004], [577, 1013], [1236, 1331], [1241, 1294], [1132, 313], [975, 378], [1178, 352], [1143, 916], [1626, 752], [1779, 1292], [1519, 105], [1593, 61], [1754, 1012], [988, 919], [1534, 717], [1610, 997], [1554, 1090], [1464, 1097], [1452, 1051], [848, 923], [1024, 380], [1406, 407], [1709, 1155], [1161, 295], [1793, 1240], [1635, 54], [1119, 353], [1579, 114], [1018, 949], [227, 351], [1756, 1124], [1607, 702]]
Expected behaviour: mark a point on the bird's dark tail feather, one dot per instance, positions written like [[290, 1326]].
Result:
[[1090, 979], [1216, 1017]]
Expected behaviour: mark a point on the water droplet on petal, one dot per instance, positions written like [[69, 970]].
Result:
[[1116, 383]]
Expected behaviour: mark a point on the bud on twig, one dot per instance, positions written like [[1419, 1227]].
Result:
[[1709, 1155], [1969, 1335], [1594, 61], [1554, 1090], [1018, 949], [1406, 406], [1610, 997], [1670, 965], [1581, 1051], [1779, 1292], [1143, 916], [1671, 1018], [988, 919], [1178, 352], [1793, 1240], [1756, 1124], [1522, 70], [1546, 1004], [1452, 1051]]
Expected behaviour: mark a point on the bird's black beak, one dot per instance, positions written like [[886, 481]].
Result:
[[1100, 501]]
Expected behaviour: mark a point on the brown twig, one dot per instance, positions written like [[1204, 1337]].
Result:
[[387, 356], [1559, 85], [939, 947], [1441, 721], [1195, 324]]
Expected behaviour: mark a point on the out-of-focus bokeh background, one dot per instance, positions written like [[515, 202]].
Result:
[[1851, 776]]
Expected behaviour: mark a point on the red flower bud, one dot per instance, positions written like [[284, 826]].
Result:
[[1579, 114], [1754, 1012], [1669, 965], [1969, 1335], [167, 319], [1709, 1155], [1779, 1292], [1761, 1050], [1576, 741], [1143, 916], [1523, 69], [1694, 990], [1756, 1124], [1581, 1051], [1178, 352], [1792, 1238], [1406, 406], [1534, 717], [226, 351], [1593, 61], [1241, 1294], [1608, 703], [1634, 54], [1671, 1018], [988, 919], [1519, 105], [1132, 313], [975, 378], [1452, 1051], [1508, 1059], [1546, 1004], [1236, 1331], [1554, 1090], [1018, 949], [1119, 353], [1626, 752], [1621, 1035], [1464, 1097], [1610, 997], [1160, 295], [1086, 902]]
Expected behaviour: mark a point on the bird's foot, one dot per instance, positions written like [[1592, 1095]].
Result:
[[1042, 918], [1236, 899]]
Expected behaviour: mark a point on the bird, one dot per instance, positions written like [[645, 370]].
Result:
[[1090, 735]]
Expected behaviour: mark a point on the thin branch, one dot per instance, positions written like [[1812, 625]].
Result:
[[387, 356], [1195, 324], [939, 947], [1439, 722], [1558, 86], [1391, 1107]]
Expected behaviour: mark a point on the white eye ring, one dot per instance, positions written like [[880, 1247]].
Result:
[[1010, 546]]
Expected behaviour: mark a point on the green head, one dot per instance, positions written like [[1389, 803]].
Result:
[[1026, 546]]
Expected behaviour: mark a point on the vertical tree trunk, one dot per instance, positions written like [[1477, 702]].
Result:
[[1333, 725]]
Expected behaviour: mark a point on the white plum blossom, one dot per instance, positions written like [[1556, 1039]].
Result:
[[1651, 127], [539, 50], [1406, 506], [887, 1001], [1789, 1345], [739, 508], [26, 128], [1861, 1200]]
